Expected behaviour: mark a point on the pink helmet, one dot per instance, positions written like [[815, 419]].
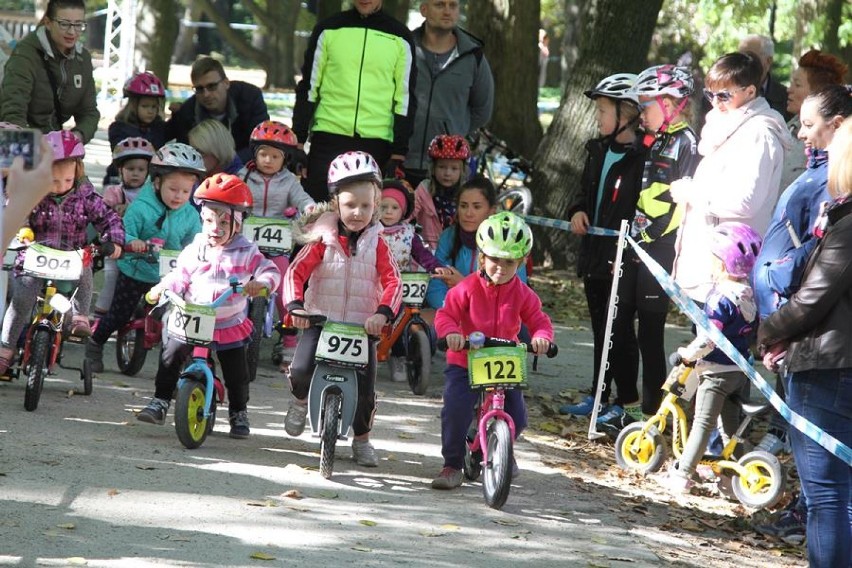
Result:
[[737, 245], [65, 145], [353, 166], [662, 80], [144, 84], [133, 147]]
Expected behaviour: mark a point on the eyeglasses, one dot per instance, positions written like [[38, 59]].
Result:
[[721, 96], [209, 87], [67, 26]]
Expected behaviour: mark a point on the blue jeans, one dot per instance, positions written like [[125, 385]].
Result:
[[824, 397], [457, 414]]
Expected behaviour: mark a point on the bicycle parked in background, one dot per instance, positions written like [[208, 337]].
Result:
[[510, 172]]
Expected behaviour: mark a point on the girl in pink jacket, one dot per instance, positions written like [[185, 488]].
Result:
[[495, 302], [203, 272]]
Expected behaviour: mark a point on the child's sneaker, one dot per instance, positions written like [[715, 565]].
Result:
[[772, 444], [7, 357], [449, 478], [789, 527], [675, 482], [80, 326], [239, 425], [297, 415], [155, 412], [397, 368], [583, 408], [612, 413], [364, 453]]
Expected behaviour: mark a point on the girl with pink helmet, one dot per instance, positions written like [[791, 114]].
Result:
[[59, 221]]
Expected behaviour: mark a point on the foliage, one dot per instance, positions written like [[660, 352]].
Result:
[[17, 5]]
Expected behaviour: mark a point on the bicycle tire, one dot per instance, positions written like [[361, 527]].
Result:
[[86, 377], [419, 361], [39, 352], [130, 352], [497, 472], [257, 314], [647, 457], [330, 427], [517, 200], [190, 425], [764, 486]]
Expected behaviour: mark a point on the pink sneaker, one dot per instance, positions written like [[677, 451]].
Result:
[[675, 482]]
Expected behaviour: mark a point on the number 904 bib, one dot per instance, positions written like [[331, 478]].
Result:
[[497, 367], [52, 264], [344, 344]]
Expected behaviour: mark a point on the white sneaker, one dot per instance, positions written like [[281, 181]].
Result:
[[398, 370]]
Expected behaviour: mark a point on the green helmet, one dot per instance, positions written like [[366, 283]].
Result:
[[504, 235]]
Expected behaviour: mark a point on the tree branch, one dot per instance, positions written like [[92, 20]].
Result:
[[262, 16], [236, 40]]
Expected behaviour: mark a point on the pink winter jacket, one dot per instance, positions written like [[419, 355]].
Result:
[[475, 304]]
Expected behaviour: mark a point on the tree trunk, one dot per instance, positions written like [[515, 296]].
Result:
[[398, 9], [833, 19], [280, 31], [509, 29], [571, 41], [160, 47], [185, 49], [560, 158]]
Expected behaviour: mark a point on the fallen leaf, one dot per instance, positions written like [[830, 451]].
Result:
[[112, 492], [362, 549], [145, 467], [432, 534], [450, 527], [293, 494], [505, 522], [299, 509], [598, 540], [261, 556], [267, 503], [327, 495], [67, 526], [368, 523], [71, 393], [77, 561], [405, 436]]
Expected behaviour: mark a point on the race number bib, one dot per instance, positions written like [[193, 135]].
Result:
[[414, 286], [497, 366], [51, 264], [168, 261], [343, 343], [192, 324], [269, 234]]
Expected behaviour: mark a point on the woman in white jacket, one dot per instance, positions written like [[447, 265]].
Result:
[[743, 144]]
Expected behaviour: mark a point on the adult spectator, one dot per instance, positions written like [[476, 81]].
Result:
[[743, 143], [813, 333], [455, 88], [239, 106], [356, 92], [816, 70], [213, 141], [774, 92], [49, 79]]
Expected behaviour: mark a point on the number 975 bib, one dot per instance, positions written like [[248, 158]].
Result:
[[497, 366], [343, 343]]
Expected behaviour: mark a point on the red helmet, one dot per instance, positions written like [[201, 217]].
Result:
[[225, 189], [449, 147], [133, 147], [405, 188], [275, 134], [65, 145], [144, 84]]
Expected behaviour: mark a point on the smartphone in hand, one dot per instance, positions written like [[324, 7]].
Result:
[[25, 143]]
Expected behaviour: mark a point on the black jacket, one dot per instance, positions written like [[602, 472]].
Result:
[[246, 109], [817, 320], [597, 254], [776, 95]]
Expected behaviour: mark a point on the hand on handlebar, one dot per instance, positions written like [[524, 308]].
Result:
[[299, 319], [253, 288], [137, 245], [455, 342], [153, 295], [116, 252], [375, 323], [540, 345]]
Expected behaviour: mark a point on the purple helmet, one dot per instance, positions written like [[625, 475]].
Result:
[[65, 145], [736, 245]]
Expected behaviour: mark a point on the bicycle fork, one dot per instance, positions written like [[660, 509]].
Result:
[[492, 409]]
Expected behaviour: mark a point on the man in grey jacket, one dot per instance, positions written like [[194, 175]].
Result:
[[454, 88]]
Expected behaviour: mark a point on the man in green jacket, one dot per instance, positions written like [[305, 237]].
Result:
[[49, 78], [356, 92]]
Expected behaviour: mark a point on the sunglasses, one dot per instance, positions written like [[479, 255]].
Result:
[[721, 96], [209, 87], [67, 26]]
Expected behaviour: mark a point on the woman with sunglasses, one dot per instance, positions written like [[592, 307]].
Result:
[[743, 144], [48, 77]]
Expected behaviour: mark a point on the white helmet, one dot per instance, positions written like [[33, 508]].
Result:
[[618, 86], [664, 80], [352, 166]]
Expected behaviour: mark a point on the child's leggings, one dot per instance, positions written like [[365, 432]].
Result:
[[457, 414], [174, 357], [108, 289], [302, 369], [711, 402], [128, 292], [25, 291]]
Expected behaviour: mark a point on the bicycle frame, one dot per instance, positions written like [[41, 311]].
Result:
[[491, 407], [408, 320]]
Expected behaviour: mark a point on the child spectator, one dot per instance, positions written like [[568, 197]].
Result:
[[141, 117], [59, 221], [611, 180], [495, 302], [162, 211], [435, 198], [202, 274], [475, 202], [131, 157], [405, 246], [342, 239], [275, 190], [730, 307]]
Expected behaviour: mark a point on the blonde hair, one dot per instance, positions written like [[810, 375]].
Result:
[[840, 161], [130, 114], [212, 137]]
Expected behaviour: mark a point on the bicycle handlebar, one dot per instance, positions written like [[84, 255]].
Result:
[[234, 288], [552, 350]]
